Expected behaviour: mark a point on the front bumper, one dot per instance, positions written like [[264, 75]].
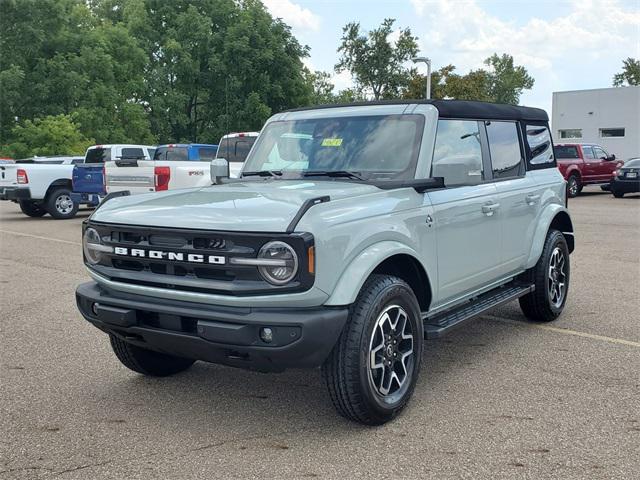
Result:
[[15, 193], [302, 337]]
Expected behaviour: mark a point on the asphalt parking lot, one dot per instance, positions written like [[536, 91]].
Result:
[[500, 398]]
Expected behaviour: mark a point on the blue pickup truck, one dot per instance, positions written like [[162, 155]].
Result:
[[180, 152]]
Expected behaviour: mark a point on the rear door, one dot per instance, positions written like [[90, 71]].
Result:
[[466, 213], [518, 193], [130, 169]]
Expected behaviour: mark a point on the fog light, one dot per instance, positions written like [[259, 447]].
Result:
[[94, 309], [266, 335]]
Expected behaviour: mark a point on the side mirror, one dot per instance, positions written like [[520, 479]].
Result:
[[219, 170], [612, 157]]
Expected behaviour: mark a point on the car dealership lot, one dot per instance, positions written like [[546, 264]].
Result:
[[499, 397]]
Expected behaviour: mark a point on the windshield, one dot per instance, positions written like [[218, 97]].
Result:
[[383, 147], [98, 155], [173, 154], [633, 163]]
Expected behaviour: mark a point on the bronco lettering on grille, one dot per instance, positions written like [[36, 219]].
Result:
[[173, 256]]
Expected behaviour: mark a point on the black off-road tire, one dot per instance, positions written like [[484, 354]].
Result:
[[537, 306], [346, 370], [148, 362], [574, 185], [31, 208], [54, 204]]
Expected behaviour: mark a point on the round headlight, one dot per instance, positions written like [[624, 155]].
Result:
[[92, 246], [280, 263]]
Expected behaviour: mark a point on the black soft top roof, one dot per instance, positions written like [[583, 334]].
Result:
[[459, 109]]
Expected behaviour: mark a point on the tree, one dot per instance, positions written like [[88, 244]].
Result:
[[376, 63], [51, 135], [507, 82], [321, 88], [502, 83], [630, 73]]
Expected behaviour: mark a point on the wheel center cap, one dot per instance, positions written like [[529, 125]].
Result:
[[389, 350]]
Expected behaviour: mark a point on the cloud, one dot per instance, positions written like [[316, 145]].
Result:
[[293, 14], [471, 34], [583, 46]]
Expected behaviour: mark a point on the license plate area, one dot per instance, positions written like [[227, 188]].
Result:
[[632, 175]]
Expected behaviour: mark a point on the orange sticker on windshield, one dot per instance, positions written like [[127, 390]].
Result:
[[331, 142]]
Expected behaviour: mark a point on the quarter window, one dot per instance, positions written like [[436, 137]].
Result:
[[504, 146], [539, 141], [457, 155]]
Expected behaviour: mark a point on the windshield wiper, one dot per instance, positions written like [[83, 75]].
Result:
[[263, 173], [333, 173]]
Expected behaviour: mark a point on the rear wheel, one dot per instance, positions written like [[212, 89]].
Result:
[[31, 208], [60, 204], [574, 186], [373, 368], [148, 362], [551, 279]]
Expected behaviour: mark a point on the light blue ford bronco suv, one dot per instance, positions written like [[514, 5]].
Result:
[[354, 233]]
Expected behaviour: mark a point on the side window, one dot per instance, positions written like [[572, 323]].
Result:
[[132, 153], [207, 154], [457, 155], [600, 153], [588, 153], [77, 161], [539, 142], [504, 146]]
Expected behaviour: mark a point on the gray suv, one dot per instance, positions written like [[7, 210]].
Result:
[[354, 233]]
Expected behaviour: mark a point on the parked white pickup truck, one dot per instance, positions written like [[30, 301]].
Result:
[[165, 172], [40, 185]]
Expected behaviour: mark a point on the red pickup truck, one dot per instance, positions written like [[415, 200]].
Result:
[[585, 164]]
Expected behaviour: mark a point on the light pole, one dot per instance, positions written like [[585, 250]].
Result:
[[428, 62]]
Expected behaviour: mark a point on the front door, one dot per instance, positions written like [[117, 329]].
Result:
[[466, 214]]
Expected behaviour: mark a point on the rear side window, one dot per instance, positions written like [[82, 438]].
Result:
[[98, 155], [504, 147], [538, 140], [132, 153], [457, 156], [568, 151], [207, 154]]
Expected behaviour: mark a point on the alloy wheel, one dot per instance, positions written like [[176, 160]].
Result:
[[64, 204], [391, 353], [557, 278]]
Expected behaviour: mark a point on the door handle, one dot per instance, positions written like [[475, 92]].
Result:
[[532, 199], [489, 208]]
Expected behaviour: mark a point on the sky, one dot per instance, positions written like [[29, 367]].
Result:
[[564, 45]]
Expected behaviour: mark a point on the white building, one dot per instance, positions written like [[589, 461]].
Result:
[[606, 116]]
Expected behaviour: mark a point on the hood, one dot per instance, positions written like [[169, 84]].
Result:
[[253, 206]]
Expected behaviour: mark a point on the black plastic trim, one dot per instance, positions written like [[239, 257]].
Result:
[[303, 209]]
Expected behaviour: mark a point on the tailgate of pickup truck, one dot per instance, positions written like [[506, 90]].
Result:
[[88, 178], [8, 175]]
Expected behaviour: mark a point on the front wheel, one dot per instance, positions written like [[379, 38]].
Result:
[[551, 280], [60, 204], [373, 368], [617, 193], [31, 208]]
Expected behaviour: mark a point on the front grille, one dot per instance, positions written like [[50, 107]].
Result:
[[172, 269]]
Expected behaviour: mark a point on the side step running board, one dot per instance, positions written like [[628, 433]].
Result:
[[441, 323]]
